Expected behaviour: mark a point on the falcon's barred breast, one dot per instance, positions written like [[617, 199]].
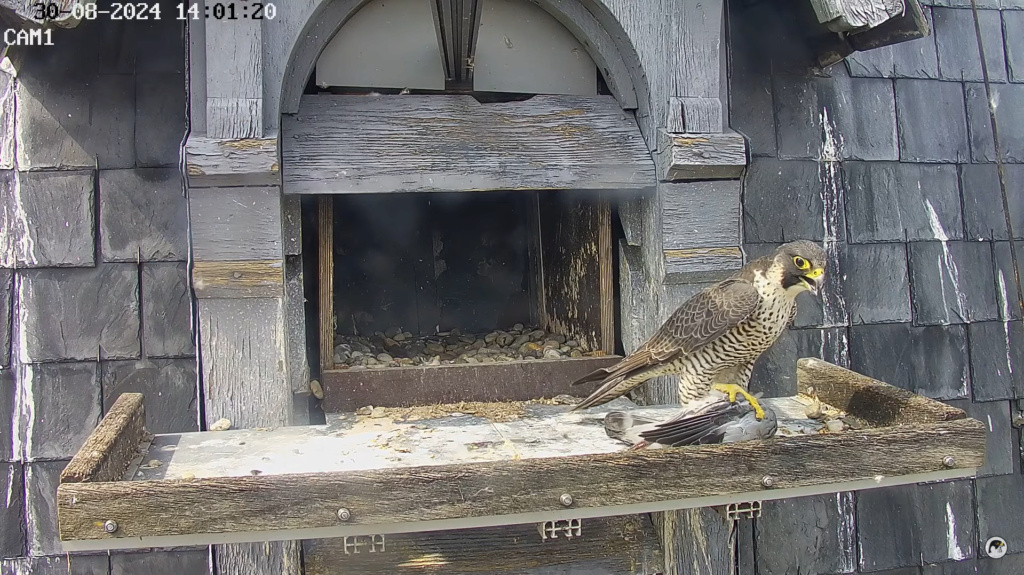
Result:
[[715, 337]]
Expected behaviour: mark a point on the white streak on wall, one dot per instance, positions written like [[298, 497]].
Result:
[[952, 545], [1004, 302], [832, 201]]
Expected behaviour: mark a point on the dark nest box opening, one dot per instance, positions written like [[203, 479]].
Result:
[[430, 297]]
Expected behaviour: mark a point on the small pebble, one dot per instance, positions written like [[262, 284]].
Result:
[[222, 424], [365, 410], [834, 425], [384, 357], [316, 389], [377, 412]]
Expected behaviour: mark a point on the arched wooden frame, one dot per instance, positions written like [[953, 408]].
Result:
[[589, 21]]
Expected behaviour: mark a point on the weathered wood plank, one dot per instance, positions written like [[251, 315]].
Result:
[[701, 264], [236, 223], [605, 546], [698, 64], [695, 540], [243, 361], [234, 87], [352, 144], [852, 15], [700, 156], [257, 501], [873, 401], [325, 290], [576, 259], [212, 162], [195, 33], [907, 25], [295, 327], [238, 279], [700, 214], [112, 446], [348, 390]]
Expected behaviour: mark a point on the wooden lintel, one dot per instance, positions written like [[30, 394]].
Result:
[[112, 445], [703, 264], [700, 156], [348, 390], [873, 401], [412, 143], [235, 279], [855, 15], [212, 162]]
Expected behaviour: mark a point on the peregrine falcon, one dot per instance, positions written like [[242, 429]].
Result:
[[714, 338], [712, 420]]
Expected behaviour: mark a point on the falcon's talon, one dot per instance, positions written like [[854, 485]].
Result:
[[733, 390]]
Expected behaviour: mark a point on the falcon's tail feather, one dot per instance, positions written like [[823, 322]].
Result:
[[617, 380]]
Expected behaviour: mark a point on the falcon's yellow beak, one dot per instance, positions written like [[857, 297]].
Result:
[[812, 279]]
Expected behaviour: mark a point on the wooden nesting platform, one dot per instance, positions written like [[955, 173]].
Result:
[[506, 464]]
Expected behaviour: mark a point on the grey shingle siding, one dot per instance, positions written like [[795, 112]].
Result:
[[926, 275]]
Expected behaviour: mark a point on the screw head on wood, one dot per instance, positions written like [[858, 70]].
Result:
[[768, 481], [949, 461], [110, 526], [565, 499], [344, 514]]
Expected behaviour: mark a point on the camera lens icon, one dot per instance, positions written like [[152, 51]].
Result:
[[995, 547]]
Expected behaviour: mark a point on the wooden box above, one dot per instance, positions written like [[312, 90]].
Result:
[[408, 470]]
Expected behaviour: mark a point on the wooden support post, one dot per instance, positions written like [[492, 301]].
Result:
[[325, 215], [234, 70]]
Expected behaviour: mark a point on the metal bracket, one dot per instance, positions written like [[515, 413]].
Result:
[[568, 527], [745, 510], [353, 543]]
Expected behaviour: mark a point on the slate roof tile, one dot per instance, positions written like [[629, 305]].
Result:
[[956, 39], [1013, 23], [1000, 509], [918, 104], [755, 117], [168, 388], [1009, 118], [12, 512], [952, 282], [143, 215], [895, 201], [1006, 286], [66, 408], [997, 360], [917, 58], [930, 361], [885, 517], [8, 394], [166, 310], [782, 201], [161, 563], [6, 321], [874, 283], [983, 201], [49, 219], [1001, 438], [807, 535]]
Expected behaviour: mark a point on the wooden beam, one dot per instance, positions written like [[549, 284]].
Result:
[[325, 286], [387, 144], [698, 65], [700, 156], [348, 390], [254, 501], [234, 87], [213, 162], [874, 401], [624, 545], [238, 279], [908, 25], [854, 15], [112, 445], [236, 224]]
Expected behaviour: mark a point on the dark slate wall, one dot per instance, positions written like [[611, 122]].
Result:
[[889, 158], [93, 290]]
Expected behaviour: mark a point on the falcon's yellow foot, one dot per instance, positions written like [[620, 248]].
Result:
[[733, 390]]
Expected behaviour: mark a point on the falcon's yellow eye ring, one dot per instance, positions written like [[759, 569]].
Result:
[[801, 263]]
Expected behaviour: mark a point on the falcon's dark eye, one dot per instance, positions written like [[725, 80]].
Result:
[[801, 263]]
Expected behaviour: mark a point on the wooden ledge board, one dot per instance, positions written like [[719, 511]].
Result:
[[113, 445], [427, 143], [466, 471], [350, 389]]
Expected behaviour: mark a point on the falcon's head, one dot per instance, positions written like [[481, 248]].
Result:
[[803, 266]]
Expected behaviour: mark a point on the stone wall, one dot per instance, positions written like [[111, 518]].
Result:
[[889, 159], [93, 289]]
